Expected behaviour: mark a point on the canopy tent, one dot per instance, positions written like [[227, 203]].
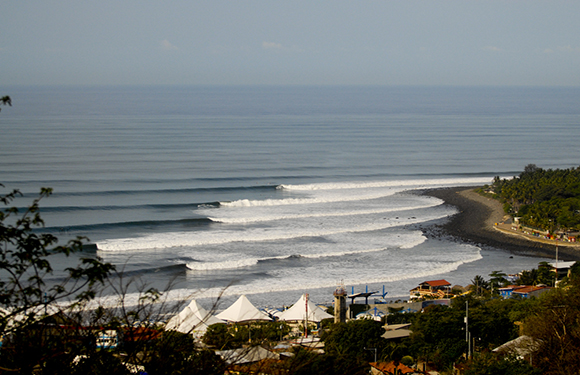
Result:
[[193, 319], [298, 311], [273, 313], [374, 314], [242, 311]]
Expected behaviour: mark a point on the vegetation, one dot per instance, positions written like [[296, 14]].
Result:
[[5, 100], [55, 328], [221, 336], [25, 263], [545, 199]]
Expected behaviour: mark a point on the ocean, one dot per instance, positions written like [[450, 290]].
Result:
[[276, 191]]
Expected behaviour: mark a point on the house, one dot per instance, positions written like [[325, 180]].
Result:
[[430, 289], [562, 269], [524, 291], [522, 348], [245, 356]]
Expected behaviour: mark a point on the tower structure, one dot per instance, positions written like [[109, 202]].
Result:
[[340, 304]]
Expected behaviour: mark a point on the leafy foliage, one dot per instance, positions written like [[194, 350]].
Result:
[[544, 199], [555, 326], [491, 364], [5, 100], [352, 345], [24, 264], [221, 336], [438, 336]]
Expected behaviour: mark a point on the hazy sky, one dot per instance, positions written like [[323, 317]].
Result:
[[404, 42]]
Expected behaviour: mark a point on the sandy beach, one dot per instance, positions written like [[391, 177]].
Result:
[[475, 220]]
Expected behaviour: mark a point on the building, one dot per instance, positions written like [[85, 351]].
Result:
[[524, 291], [431, 289], [340, 304]]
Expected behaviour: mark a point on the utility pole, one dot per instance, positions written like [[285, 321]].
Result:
[[375, 349], [467, 338]]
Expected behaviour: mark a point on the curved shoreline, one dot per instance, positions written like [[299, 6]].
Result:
[[474, 224]]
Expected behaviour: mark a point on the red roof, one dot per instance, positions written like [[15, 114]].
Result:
[[389, 368], [529, 289], [437, 282]]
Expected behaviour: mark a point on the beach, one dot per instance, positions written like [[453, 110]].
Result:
[[474, 223]]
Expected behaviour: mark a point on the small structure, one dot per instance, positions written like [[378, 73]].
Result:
[[434, 288], [242, 311], [524, 291], [245, 356], [373, 314], [340, 304], [562, 269], [396, 331], [107, 339], [522, 347]]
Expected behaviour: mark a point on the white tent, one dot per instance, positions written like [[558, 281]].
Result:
[[242, 311], [374, 314], [298, 312], [193, 319]]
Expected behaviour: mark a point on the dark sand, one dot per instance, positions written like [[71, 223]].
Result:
[[475, 220]]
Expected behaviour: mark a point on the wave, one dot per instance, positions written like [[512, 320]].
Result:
[[302, 284], [226, 265], [360, 191], [403, 184], [248, 220], [194, 222], [182, 239], [171, 269], [129, 207], [163, 191], [243, 263], [303, 201]]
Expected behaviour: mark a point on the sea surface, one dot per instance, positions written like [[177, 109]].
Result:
[[275, 191]]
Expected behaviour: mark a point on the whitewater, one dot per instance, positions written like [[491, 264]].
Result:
[[276, 191]]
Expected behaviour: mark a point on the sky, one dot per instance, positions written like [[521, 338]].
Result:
[[295, 42]]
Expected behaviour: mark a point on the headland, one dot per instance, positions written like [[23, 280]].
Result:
[[475, 221]]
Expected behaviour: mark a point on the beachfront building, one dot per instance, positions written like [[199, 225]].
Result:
[[562, 269], [523, 291], [431, 289]]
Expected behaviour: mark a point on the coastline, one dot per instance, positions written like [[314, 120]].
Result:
[[475, 220]]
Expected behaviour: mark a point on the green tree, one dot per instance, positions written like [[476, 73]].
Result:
[[25, 262], [5, 100], [479, 286], [555, 327], [352, 345], [497, 280], [25, 298], [546, 274], [492, 364], [177, 353], [438, 335], [548, 200]]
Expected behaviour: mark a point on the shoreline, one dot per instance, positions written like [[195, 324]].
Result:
[[474, 223]]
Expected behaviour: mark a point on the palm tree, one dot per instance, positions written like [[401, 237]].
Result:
[[479, 285]]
